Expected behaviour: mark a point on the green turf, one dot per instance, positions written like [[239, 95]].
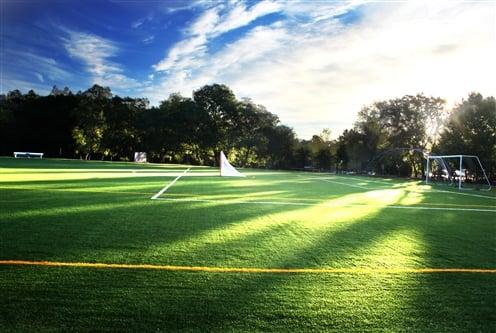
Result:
[[77, 211]]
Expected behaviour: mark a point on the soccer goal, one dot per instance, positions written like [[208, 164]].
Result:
[[461, 171], [226, 169]]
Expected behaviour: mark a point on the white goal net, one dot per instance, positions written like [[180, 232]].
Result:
[[226, 169], [460, 171]]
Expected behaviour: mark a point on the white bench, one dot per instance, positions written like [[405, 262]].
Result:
[[27, 154]]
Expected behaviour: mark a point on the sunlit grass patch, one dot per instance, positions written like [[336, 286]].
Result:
[[98, 212]]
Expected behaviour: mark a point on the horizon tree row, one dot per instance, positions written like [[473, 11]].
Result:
[[387, 137]]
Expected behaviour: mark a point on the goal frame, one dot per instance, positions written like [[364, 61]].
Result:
[[460, 157]]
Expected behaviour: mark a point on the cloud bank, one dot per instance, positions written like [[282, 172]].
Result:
[[96, 53], [316, 64]]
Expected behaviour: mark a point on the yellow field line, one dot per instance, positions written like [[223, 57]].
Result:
[[355, 270]]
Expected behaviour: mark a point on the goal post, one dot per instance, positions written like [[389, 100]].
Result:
[[461, 171]]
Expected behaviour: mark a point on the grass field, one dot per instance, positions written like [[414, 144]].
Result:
[[275, 251]]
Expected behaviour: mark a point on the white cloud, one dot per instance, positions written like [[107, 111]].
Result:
[[12, 83], [183, 54], [209, 25], [205, 23], [149, 39], [240, 15], [172, 6], [139, 23], [315, 71], [315, 11], [39, 76], [20, 67], [95, 52]]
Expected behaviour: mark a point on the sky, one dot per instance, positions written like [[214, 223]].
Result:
[[313, 63]]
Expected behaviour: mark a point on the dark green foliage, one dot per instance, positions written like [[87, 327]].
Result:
[[409, 122], [471, 129], [388, 137]]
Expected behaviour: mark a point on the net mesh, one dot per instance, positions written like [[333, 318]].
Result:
[[460, 171]]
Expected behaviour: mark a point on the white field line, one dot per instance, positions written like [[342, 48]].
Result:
[[159, 193], [401, 184], [340, 183], [460, 193], [292, 203], [368, 180], [427, 190]]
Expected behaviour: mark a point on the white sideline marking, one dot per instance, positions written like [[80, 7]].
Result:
[[340, 183], [468, 194], [289, 203], [350, 185], [391, 185], [367, 180], [428, 190], [159, 193]]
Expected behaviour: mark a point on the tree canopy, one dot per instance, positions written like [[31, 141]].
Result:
[[386, 137]]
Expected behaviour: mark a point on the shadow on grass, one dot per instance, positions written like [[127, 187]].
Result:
[[116, 300]]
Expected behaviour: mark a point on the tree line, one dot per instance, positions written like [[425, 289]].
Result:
[[388, 136]]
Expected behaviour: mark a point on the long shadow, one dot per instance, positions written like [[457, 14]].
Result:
[[204, 302], [116, 229], [77, 236], [424, 296], [249, 294], [218, 302], [462, 301]]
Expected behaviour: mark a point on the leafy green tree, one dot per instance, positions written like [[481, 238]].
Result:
[[184, 129], [221, 106], [252, 124], [121, 137], [281, 145], [407, 122], [471, 130], [324, 158], [352, 154], [91, 122], [302, 155]]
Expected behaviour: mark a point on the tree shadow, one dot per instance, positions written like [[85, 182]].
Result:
[[239, 302]]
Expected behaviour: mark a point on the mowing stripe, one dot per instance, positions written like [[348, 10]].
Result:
[[159, 193], [289, 203], [351, 270]]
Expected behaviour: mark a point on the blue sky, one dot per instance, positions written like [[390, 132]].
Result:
[[313, 63]]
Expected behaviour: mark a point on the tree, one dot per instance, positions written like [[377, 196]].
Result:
[[253, 122], [302, 155], [121, 137], [471, 130], [324, 158], [184, 123], [280, 148], [221, 106], [407, 122], [352, 154], [91, 123]]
